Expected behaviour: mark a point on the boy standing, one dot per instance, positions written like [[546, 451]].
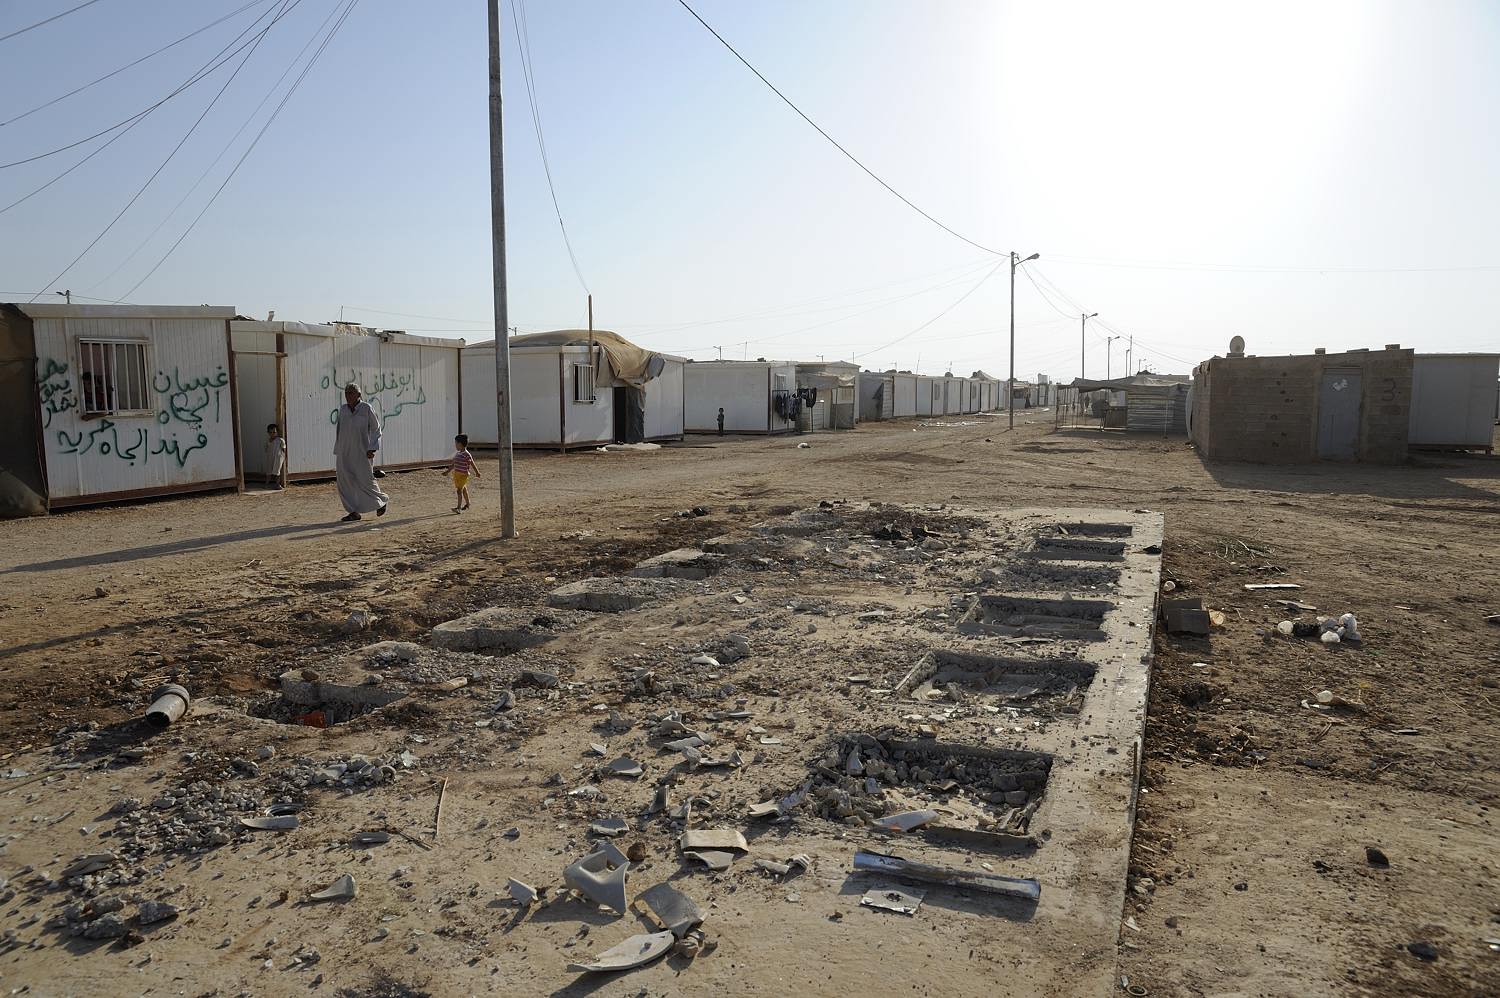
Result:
[[461, 465], [275, 457]]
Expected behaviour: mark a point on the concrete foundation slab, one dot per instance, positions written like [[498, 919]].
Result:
[[503, 629], [683, 563], [613, 594]]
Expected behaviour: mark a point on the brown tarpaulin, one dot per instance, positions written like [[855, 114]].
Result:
[[631, 364], [22, 492]]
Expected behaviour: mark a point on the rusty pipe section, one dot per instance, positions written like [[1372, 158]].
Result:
[[171, 703]]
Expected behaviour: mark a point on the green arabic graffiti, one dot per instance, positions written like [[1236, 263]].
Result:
[[104, 439], [55, 390], [379, 390], [186, 400]]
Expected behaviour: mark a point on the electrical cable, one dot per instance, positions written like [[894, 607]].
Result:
[[286, 7], [1044, 295], [49, 20], [834, 142], [270, 91], [206, 70], [1254, 269], [130, 65], [254, 142], [961, 299], [523, 42]]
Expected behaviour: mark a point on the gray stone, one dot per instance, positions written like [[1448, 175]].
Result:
[[156, 911], [612, 595], [109, 926], [504, 629], [682, 563]]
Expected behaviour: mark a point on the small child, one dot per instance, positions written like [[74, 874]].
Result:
[[461, 465], [275, 457]]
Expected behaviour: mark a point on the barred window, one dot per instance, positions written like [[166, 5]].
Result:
[[114, 378], [583, 383]]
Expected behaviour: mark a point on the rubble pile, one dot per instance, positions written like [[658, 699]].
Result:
[[861, 778]]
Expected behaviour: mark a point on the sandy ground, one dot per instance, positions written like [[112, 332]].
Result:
[[1249, 874]]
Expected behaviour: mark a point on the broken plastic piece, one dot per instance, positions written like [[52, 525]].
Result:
[[625, 766], [905, 821], [765, 809], [609, 827], [714, 838], [599, 879], [522, 894], [637, 951], [714, 859], [891, 899], [904, 869], [772, 867], [342, 889], [673, 909], [271, 823]]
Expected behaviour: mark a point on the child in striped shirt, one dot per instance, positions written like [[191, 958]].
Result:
[[461, 465]]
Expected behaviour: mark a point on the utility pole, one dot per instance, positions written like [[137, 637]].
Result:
[[1129, 352], [1083, 344], [502, 304], [1010, 387], [1109, 353]]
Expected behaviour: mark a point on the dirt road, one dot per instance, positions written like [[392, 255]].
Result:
[[1250, 872]]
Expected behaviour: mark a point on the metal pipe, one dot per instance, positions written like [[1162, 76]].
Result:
[[171, 703]]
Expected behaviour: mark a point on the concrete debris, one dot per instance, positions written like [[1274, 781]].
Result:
[[612, 595], [637, 951], [89, 864], [661, 800], [105, 927], [539, 679], [358, 620], [151, 912], [765, 809], [504, 702], [598, 748], [891, 899], [772, 867], [903, 869], [273, 823], [704, 660], [342, 889], [502, 629]]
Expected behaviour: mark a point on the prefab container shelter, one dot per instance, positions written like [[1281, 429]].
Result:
[[929, 396], [877, 396], [756, 395], [834, 405], [572, 388], [110, 402], [293, 374], [1450, 401]]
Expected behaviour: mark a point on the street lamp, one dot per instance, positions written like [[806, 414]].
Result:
[[1083, 371], [1010, 388], [1109, 345]]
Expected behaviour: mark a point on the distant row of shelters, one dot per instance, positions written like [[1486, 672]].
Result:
[[115, 402]]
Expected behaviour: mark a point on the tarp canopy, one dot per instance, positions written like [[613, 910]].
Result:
[[631, 364], [1135, 380]]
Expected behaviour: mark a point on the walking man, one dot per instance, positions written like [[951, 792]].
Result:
[[354, 457]]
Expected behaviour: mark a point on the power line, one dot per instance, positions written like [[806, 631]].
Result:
[[286, 6], [49, 20], [270, 91], [523, 42], [207, 70], [962, 298], [834, 142], [254, 142], [1252, 269], [130, 65], [1044, 295]]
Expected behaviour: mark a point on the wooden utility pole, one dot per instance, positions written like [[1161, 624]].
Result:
[[502, 305]]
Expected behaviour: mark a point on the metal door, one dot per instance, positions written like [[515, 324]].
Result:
[[1338, 415]]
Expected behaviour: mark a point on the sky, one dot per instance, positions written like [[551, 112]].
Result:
[[1314, 173]]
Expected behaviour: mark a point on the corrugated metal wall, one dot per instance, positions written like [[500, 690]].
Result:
[[185, 439]]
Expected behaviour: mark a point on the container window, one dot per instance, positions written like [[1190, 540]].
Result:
[[583, 383], [113, 377]]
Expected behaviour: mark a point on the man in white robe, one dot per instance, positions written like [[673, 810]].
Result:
[[354, 457]]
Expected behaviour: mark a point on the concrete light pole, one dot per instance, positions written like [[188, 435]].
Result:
[[1083, 344], [1010, 387]]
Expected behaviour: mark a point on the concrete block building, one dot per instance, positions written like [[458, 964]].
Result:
[[1353, 406]]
